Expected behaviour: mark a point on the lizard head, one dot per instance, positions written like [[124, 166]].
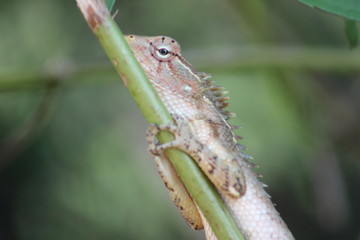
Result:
[[174, 79], [162, 62], [154, 49]]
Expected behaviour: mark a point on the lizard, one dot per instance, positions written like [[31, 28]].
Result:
[[201, 130]]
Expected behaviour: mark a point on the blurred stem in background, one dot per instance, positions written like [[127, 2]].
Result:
[[22, 137], [227, 58]]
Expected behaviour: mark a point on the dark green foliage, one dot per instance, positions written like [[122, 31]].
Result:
[[352, 33], [347, 8]]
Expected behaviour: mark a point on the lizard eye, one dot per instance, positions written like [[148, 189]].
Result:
[[162, 53]]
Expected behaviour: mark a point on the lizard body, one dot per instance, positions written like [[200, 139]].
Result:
[[201, 130]]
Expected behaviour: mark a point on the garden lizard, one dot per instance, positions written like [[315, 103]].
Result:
[[201, 130]]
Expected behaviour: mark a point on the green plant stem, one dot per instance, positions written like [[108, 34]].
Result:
[[116, 48]]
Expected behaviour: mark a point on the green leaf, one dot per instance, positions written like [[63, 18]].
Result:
[[109, 4], [347, 8], [351, 33]]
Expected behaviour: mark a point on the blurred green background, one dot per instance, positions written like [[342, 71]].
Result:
[[73, 157]]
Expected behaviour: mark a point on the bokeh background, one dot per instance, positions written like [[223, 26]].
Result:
[[73, 160]]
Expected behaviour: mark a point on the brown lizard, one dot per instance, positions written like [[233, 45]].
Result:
[[201, 130]]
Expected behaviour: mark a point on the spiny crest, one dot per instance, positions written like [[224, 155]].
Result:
[[215, 95]]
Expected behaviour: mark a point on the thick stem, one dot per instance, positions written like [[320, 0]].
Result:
[[116, 48]]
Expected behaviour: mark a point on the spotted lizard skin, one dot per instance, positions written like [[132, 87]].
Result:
[[201, 130]]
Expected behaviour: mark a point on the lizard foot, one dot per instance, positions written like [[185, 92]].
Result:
[[182, 134], [154, 147]]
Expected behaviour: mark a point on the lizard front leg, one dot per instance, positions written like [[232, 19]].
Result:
[[220, 166], [177, 191]]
